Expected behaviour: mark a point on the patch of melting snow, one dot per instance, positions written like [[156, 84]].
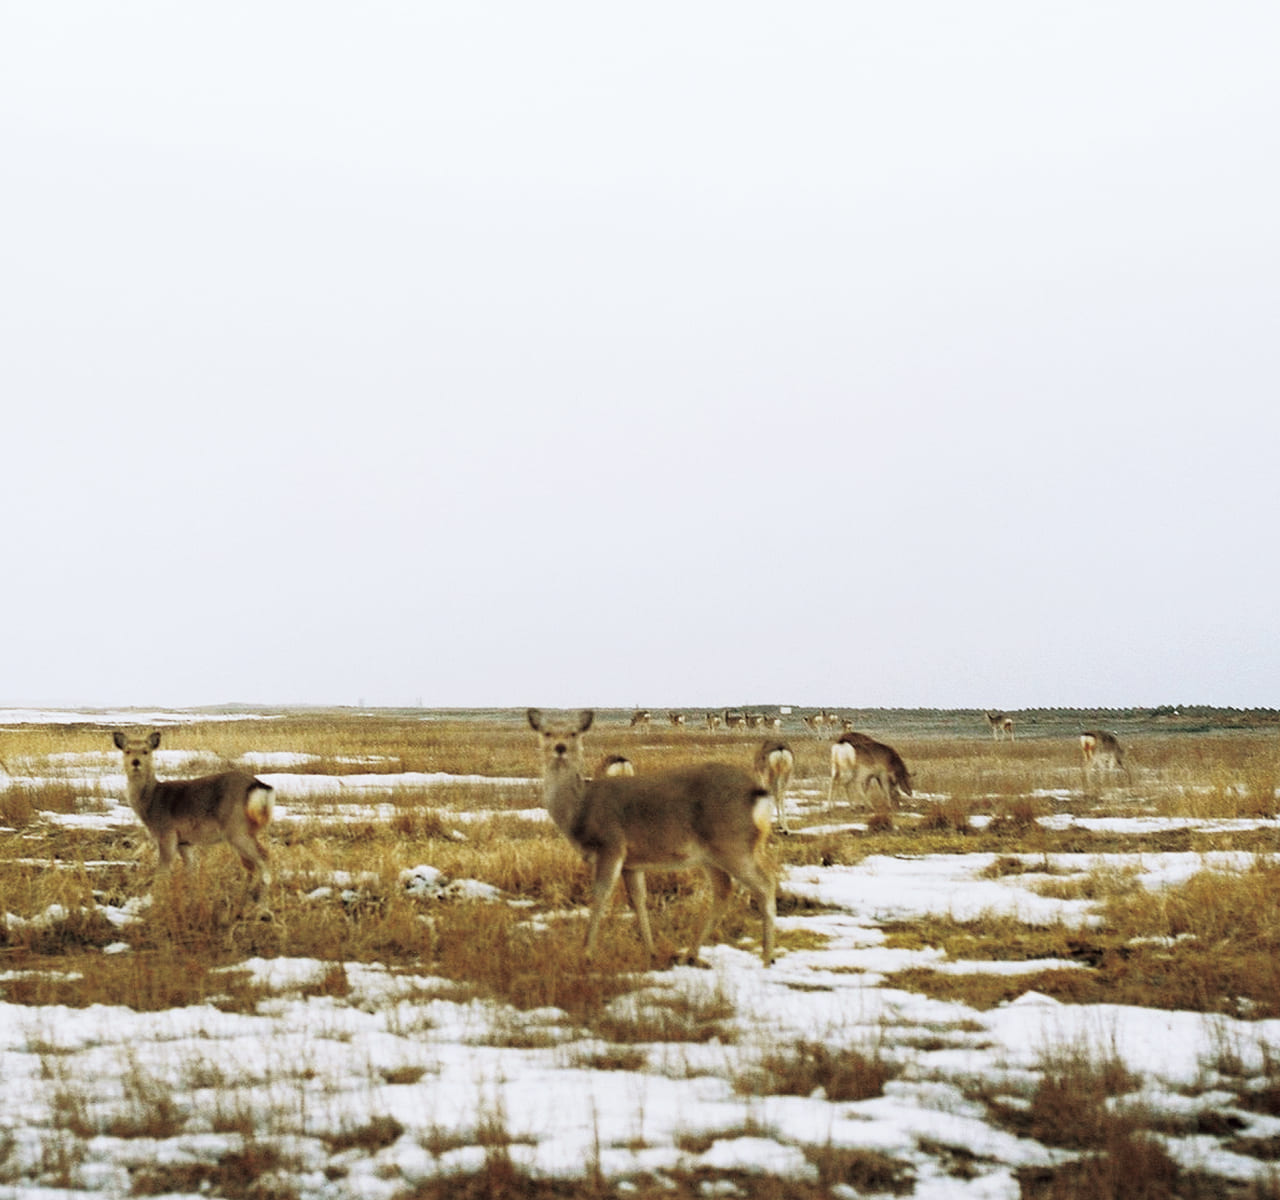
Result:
[[311, 1068]]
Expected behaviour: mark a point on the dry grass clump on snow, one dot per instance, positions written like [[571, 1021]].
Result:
[[1208, 944]]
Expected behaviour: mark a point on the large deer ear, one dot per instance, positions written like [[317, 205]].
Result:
[[535, 718], [154, 740], [118, 738], [587, 717]]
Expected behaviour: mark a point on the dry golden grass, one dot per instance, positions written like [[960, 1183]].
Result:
[[801, 1069], [1211, 944], [532, 955]]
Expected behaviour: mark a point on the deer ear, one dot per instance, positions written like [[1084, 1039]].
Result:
[[535, 718], [154, 740], [118, 738], [587, 717]]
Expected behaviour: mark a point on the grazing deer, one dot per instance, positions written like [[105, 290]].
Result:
[[1102, 751], [856, 758], [1001, 725], [615, 764], [183, 813], [714, 721], [676, 719], [774, 764], [712, 815], [640, 720]]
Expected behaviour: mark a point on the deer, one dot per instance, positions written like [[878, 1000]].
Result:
[[180, 814], [815, 721], [714, 721], [677, 719], [640, 720], [1101, 751], [711, 815], [774, 763], [1001, 725], [734, 720], [857, 758], [615, 764]]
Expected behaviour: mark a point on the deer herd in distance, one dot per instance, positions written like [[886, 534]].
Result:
[[740, 721], [713, 815]]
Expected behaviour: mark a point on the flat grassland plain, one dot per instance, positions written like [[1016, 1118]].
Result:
[[1026, 982]]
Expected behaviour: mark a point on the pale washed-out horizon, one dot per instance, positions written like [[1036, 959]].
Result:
[[846, 357]]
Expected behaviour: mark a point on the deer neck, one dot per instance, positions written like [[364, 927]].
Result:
[[138, 791], [564, 790]]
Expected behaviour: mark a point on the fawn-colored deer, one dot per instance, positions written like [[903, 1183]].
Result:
[[182, 813], [857, 758], [774, 763], [1101, 751], [712, 815]]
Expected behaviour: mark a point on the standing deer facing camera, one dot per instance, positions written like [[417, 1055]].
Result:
[[182, 813], [774, 764], [711, 815]]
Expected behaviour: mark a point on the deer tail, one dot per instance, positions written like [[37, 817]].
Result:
[[259, 805], [761, 817]]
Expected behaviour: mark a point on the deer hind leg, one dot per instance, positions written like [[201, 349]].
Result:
[[721, 885], [780, 804], [757, 880], [254, 857], [638, 897], [608, 866]]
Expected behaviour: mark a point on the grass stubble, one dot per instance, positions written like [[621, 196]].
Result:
[[1209, 944]]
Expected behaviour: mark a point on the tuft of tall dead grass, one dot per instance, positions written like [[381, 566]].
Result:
[[806, 1067]]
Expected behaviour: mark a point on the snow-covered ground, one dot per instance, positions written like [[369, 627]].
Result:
[[433, 1068]]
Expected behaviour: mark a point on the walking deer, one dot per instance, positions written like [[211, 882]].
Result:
[[856, 758], [1101, 751], [677, 719], [1001, 725], [180, 814], [640, 719], [712, 815], [773, 765], [714, 721]]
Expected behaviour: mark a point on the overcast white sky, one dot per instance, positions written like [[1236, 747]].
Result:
[[667, 354]]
